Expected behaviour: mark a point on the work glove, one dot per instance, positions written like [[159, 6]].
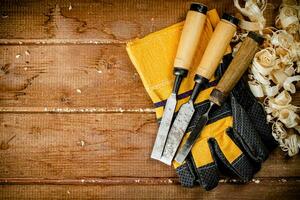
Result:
[[230, 143]]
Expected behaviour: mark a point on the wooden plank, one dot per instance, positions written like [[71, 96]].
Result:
[[91, 21], [73, 110], [53, 78], [70, 76], [93, 145], [264, 189], [55, 146]]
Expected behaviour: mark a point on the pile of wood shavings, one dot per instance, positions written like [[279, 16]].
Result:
[[275, 69]]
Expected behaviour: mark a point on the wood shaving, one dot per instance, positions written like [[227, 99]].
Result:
[[283, 180], [81, 143], [288, 18], [78, 91], [27, 52], [257, 181], [275, 69], [4, 15], [253, 9]]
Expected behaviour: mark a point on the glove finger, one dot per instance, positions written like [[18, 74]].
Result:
[[255, 112], [238, 140], [186, 173], [245, 133], [232, 158], [208, 176], [206, 168]]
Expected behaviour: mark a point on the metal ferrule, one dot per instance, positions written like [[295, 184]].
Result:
[[179, 73], [217, 97], [200, 82], [230, 19], [198, 7], [256, 37]]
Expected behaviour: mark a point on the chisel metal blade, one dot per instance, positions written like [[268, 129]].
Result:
[[164, 127], [201, 122], [177, 131]]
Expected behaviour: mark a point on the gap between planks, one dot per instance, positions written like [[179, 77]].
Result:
[[80, 41], [73, 110], [130, 181]]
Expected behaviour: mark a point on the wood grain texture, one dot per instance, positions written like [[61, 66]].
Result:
[[189, 39], [235, 71], [69, 146], [69, 76], [98, 77], [103, 21], [281, 189], [93, 145], [216, 48]]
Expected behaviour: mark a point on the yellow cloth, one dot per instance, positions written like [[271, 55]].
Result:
[[153, 58]]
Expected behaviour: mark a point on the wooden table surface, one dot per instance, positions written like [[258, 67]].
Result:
[[75, 120]]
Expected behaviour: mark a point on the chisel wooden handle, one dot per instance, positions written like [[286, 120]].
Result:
[[190, 36], [217, 46], [237, 67]]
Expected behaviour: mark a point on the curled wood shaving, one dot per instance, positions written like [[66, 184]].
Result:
[[275, 68], [254, 11], [278, 77], [288, 18], [289, 118], [291, 145], [288, 142], [288, 83], [264, 61]]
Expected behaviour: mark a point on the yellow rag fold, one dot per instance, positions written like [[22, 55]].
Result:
[[153, 57]]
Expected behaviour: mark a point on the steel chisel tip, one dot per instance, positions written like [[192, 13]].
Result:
[[164, 127], [184, 151], [186, 148], [177, 131]]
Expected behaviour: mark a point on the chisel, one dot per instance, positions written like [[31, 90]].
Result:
[[188, 42], [211, 58], [232, 75]]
